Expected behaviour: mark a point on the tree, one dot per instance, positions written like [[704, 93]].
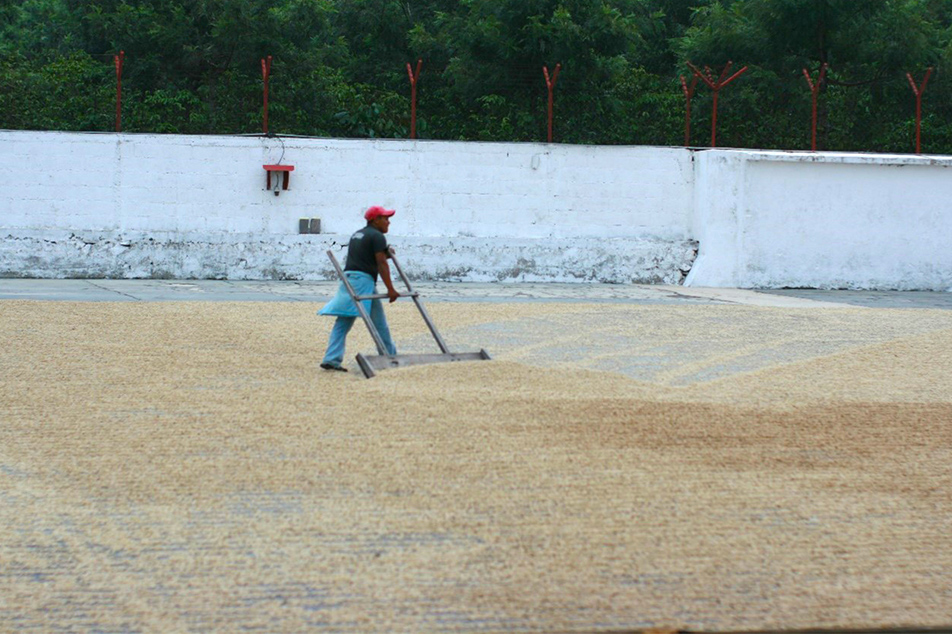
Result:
[[868, 46], [193, 66], [490, 57]]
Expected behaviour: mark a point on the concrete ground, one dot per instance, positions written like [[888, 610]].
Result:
[[634, 457], [296, 291]]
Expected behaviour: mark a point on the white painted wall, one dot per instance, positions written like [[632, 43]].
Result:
[[209, 184], [196, 206], [107, 205], [827, 220]]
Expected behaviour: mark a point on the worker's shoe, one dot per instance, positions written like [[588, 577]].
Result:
[[331, 366]]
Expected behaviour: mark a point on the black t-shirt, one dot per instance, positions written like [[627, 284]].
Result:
[[363, 249]]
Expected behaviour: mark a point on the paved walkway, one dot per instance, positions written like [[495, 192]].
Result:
[[298, 291]]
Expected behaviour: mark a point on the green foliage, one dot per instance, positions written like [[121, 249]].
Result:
[[339, 69], [38, 28], [651, 110], [167, 111], [72, 92], [372, 114], [868, 46]]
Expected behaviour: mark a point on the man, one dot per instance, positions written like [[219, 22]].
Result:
[[367, 255]]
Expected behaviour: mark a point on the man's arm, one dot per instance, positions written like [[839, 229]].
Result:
[[383, 267]]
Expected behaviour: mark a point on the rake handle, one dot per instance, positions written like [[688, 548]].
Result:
[[361, 298], [378, 341], [419, 305]]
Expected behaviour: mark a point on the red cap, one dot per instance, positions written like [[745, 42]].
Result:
[[376, 211]]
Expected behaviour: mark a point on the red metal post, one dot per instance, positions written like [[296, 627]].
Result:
[[688, 93], [814, 91], [918, 90], [413, 82], [266, 75], [550, 84], [715, 85], [119, 59]]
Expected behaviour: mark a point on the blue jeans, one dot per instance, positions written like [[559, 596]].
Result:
[[338, 338]]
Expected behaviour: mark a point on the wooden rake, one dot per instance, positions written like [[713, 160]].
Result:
[[371, 364]]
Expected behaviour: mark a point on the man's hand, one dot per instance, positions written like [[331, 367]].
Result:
[[390, 252], [384, 269]]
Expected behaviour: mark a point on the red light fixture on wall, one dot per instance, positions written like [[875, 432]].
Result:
[[279, 182]]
